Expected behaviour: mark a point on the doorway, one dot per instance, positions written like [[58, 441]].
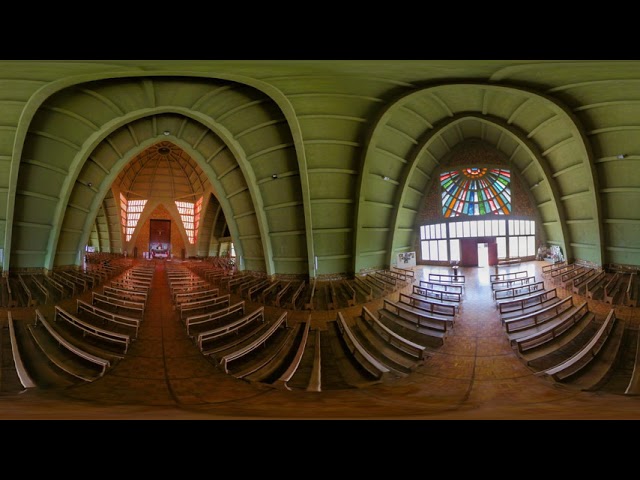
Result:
[[483, 255]]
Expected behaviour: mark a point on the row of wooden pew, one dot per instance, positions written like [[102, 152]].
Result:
[[558, 338], [289, 355], [34, 289], [82, 344]]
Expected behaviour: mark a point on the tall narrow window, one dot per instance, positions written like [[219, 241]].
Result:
[[134, 209], [196, 219], [123, 213], [186, 210]]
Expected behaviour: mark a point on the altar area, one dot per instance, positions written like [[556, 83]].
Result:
[[159, 251]]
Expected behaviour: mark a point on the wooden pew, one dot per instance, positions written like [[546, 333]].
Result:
[[596, 285], [126, 294], [393, 338], [585, 355], [125, 285], [557, 273], [191, 308], [283, 351], [579, 283], [26, 379], [122, 323], [541, 356], [442, 278], [259, 339], [309, 301], [631, 292], [294, 300], [45, 294], [184, 297], [612, 288], [221, 333], [102, 335], [332, 296], [548, 269], [75, 369], [431, 300], [443, 287], [520, 306], [401, 277], [281, 293], [408, 273], [72, 281], [365, 290], [346, 293], [283, 379], [206, 321], [315, 379], [31, 300], [566, 279], [513, 293], [501, 277], [433, 309], [514, 282], [554, 330], [284, 299], [366, 360], [415, 319], [446, 298], [56, 285], [253, 291], [382, 275], [633, 387], [269, 291], [377, 285], [528, 323], [243, 288], [116, 303], [12, 300]]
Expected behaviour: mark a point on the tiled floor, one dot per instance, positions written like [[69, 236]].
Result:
[[474, 375]]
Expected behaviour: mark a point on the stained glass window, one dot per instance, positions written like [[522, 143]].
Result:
[[476, 191]]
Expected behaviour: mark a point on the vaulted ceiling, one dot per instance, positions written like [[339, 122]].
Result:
[[293, 154]]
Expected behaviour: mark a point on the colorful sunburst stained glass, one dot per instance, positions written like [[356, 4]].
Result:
[[476, 191]]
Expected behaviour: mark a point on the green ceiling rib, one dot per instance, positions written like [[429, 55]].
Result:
[[620, 190], [534, 131], [630, 221], [623, 249], [42, 226], [568, 169], [282, 205], [558, 145], [287, 233], [28, 193], [46, 166], [391, 155]]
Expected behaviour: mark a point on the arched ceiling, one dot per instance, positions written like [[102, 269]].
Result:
[[329, 131], [162, 171]]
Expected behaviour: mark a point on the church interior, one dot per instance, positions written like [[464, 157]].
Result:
[[320, 239]]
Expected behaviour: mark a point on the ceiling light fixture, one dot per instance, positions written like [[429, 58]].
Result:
[[622, 155], [89, 184], [166, 133], [385, 178], [274, 176]]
